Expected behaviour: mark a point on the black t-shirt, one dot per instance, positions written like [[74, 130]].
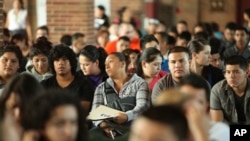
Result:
[[212, 74], [80, 86], [239, 105]]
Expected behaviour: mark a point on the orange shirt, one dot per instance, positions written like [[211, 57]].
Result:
[[111, 46]]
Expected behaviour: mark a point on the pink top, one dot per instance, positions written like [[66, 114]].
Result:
[[156, 78]]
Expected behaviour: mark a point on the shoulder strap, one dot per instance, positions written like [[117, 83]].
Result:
[[109, 93]]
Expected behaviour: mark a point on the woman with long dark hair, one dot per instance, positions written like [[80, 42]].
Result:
[[92, 64], [149, 66]]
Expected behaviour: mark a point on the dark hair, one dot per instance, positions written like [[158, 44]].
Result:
[[197, 45], [201, 35], [66, 39], [148, 55], [241, 28], [101, 7], [124, 38], [248, 60], [215, 45], [186, 35], [237, 60], [41, 109], [146, 39], [119, 55], [169, 116], [77, 35], [42, 46], [202, 25], [44, 27], [14, 49], [6, 32], [25, 86], [101, 32], [247, 11], [231, 26], [60, 51], [93, 54], [173, 29], [169, 39], [138, 31], [182, 22], [197, 82], [19, 37], [179, 49], [21, 3], [215, 27], [129, 51], [208, 29], [122, 10]]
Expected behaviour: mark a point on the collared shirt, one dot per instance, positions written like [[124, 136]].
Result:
[[222, 98], [234, 51], [135, 87]]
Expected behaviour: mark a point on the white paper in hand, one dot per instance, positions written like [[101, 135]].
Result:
[[102, 112]]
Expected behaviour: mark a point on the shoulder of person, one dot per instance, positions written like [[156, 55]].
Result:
[[137, 79], [221, 85], [48, 81]]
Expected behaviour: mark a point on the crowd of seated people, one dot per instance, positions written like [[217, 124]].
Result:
[[160, 83]]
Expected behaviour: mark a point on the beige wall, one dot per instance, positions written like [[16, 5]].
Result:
[[221, 17], [199, 10], [137, 6]]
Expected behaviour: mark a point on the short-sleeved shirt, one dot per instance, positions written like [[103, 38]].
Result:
[[164, 83], [234, 51], [222, 98], [80, 86]]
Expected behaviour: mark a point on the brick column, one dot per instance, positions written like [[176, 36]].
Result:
[[150, 6], [1, 22], [68, 17]]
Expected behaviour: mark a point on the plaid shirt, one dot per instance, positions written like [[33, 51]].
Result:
[[135, 87]]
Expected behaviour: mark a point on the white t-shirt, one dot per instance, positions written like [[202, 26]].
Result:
[[18, 21], [219, 131]]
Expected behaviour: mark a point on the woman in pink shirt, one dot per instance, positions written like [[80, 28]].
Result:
[[149, 66]]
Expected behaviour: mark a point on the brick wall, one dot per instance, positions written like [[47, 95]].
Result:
[[1, 22], [187, 11], [68, 17]]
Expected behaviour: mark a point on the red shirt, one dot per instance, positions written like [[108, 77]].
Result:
[[156, 78], [111, 46]]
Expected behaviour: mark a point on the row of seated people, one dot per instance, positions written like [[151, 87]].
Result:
[[64, 64]]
